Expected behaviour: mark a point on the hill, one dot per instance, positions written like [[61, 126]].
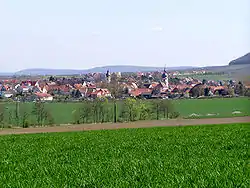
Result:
[[130, 68], [243, 60], [237, 71], [41, 71], [120, 68], [5, 74], [236, 68]]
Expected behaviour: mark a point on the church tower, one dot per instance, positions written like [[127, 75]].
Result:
[[164, 77], [108, 76]]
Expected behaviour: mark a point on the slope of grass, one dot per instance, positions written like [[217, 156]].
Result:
[[200, 156], [216, 77]]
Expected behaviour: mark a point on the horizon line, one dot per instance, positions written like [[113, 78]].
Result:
[[39, 68]]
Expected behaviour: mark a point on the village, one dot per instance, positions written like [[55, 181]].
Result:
[[149, 85]]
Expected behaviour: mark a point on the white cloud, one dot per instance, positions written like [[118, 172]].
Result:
[[158, 28]]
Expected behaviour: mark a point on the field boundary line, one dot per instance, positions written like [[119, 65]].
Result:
[[137, 124]]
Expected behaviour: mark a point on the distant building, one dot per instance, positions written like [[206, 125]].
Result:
[[118, 74], [44, 97], [164, 78], [108, 76]]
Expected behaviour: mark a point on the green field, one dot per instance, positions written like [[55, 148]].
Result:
[[216, 77], [64, 113], [223, 107], [195, 156]]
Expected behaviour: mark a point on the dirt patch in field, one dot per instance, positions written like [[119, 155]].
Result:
[[138, 124]]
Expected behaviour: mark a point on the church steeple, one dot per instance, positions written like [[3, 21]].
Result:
[[164, 76], [108, 76]]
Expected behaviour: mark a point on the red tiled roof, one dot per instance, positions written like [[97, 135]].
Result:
[[144, 90], [94, 92], [214, 88], [7, 87], [91, 86], [78, 86], [154, 84], [182, 87], [140, 91], [102, 92], [42, 95], [63, 88]]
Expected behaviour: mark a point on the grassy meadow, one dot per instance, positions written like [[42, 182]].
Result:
[[220, 107], [216, 77], [64, 113], [194, 156]]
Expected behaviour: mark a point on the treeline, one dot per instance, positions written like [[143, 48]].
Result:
[[97, 111], [102, 110], [22, 116]]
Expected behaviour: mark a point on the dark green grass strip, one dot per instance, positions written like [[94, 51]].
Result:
[[195, 156]]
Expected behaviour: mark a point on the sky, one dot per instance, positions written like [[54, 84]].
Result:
[[81, 34]]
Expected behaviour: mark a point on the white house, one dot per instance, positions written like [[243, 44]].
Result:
[[44, 96]]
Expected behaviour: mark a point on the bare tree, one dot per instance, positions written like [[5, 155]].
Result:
[[103, 109], [230, 90], [2, 115], [156, 108], [240, 89], [76, 116], [115, 111], [85, 112], [94, 110], [197, 91], [166, 107], [40, 112], [49, 119], [23, 115], [10, 118]]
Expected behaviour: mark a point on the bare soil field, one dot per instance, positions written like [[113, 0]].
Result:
[[137, 124]]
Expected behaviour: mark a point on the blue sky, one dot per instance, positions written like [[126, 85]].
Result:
[[80, 34]]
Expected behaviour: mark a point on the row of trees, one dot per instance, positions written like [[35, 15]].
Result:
[[23, 116], [237, 89], [101, 110], [97, 111]]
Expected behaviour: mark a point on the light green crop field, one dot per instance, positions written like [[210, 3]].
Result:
[[63, 113], [195, 156], [216, 77], [223, 107]]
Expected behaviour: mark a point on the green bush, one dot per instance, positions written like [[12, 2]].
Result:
[[174, 115], [26, 124]]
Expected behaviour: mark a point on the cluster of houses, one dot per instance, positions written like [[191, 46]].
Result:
[[47, 90], [75, 88]]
